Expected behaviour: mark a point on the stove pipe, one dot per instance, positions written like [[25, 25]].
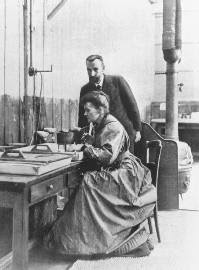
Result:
[[171, 46]]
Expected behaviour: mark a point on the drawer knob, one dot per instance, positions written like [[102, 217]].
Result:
[[50, 187]]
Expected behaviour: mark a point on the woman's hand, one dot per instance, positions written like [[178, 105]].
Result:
[[87, 139], [73, 147], [75, 129]]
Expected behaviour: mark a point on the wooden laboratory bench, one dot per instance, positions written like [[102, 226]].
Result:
[[19, 192]]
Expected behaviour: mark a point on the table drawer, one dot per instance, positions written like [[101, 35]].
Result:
[[45, 189]]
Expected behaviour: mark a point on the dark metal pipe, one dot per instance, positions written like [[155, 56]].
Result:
[[4, 72], [19, 67], [178, 34], [171, 45], [25, 33], [171, 128], [30, 27]]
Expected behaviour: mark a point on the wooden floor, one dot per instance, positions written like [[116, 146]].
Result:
[[39, 259]]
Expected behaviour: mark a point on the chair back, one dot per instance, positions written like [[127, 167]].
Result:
[[153, 153]]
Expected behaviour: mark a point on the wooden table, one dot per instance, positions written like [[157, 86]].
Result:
[[19, 192]]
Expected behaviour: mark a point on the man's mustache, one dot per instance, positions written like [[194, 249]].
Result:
[[93, 79]]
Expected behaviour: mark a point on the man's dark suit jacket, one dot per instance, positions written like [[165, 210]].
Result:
[[122, 104]]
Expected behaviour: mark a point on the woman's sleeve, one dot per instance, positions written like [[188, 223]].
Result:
[[110, 143]]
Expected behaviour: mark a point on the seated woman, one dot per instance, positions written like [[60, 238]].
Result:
[[106, 213]]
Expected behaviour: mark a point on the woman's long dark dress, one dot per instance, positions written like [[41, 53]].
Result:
[[111, 199]]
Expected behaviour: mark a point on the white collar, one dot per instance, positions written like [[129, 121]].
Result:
[[100, 83]]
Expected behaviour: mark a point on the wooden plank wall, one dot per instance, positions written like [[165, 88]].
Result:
[[56, 113]]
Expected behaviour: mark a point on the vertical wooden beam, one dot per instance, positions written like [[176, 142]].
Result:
[[20, 231]]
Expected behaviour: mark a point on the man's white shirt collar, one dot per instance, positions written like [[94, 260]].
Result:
[[101, 82]]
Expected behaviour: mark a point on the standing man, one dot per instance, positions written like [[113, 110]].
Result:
[[122, 101]]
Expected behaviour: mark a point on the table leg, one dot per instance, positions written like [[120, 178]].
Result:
[[20, 231]]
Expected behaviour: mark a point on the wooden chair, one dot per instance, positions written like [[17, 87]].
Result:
[[168, 195], [153, 153]]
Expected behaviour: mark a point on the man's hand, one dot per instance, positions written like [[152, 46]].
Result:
[[137, 136]]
